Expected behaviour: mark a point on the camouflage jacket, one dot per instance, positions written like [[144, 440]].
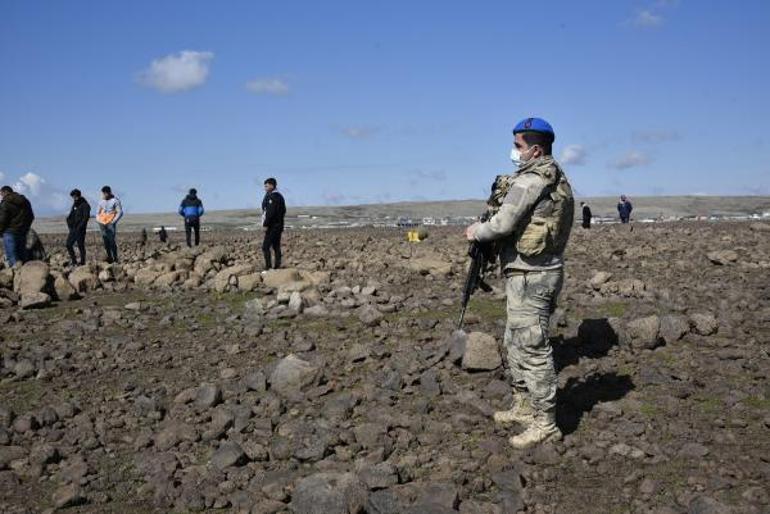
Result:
[[532, 213]]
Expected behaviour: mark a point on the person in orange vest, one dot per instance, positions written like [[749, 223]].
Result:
[[109, 213]]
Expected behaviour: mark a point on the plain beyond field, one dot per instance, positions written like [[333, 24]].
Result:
[[456, 212]]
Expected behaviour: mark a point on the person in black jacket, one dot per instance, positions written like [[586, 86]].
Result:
[[273, 212], [77, 222], [586, 215], [16, 219]]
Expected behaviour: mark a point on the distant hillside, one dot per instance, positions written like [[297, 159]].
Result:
[[453, 211]]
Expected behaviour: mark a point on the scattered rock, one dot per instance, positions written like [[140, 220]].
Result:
[[481, 353], [228, 454], [293, 374], [644, 332], [704, 324], [722, 257], [329, 493]]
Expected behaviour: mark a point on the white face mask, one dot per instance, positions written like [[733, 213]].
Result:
[[516, 157]]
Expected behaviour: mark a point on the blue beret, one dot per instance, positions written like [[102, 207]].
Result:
[[534, 125]]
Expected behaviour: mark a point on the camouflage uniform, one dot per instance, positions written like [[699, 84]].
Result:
[[533, 214]]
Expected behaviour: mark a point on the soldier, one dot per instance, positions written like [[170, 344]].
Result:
[[531, 225]]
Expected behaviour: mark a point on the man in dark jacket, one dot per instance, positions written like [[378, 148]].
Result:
[[192, 210], [16, 218], [273, 212], [77, 222], [624, 209], [586, 215]]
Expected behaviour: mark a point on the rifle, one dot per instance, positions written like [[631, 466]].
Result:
[[482, 256]]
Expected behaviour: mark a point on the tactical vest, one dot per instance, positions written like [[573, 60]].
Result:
[[546, 228]]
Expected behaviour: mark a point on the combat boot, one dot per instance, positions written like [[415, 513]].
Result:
[[521, 412], [543, 429]]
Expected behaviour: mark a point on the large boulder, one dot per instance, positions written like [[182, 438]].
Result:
[[481, 353], [146, 276], [35, 300], [644, 333], [673, 328], [430, 266], [169, 278], [293, 374], [329, 493], [83, 280], [704, 323], [33, 277], [249, 282], [34, 284], [64, 289], [722, 257], [228, 277]]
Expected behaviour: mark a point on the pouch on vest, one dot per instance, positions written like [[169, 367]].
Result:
[[535, 238]]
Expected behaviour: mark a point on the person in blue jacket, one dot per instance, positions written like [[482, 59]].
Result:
[[624, 209], [192, 210]]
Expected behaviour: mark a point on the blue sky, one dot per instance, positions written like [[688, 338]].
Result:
[[360, 101]]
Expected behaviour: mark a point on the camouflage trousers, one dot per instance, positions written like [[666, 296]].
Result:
[[531, 301]]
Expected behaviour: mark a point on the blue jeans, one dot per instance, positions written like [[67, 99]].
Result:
[[15, 247], [110, 245]]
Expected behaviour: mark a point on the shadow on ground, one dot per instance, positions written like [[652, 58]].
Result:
[[594, 340], [580, 395]]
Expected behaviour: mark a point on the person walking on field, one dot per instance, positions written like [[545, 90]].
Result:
[[624, 209], [191, 209], [77, 223], [108, 215], [586, 215], [273, 213], [16, 219]]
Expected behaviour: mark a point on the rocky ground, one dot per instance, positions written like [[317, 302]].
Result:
[[186, 380]]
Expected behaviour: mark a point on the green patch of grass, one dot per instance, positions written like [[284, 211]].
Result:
[[487, 308], [206, 320], [710, 406], [665, 358], [614, 309], [234, 300], [760, 403], [22, 396], [649, 410]]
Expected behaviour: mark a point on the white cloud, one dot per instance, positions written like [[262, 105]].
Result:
[[177, 72], [362, 132], [43, 196], [632, 159], [574, 155], [268, 86], [647, 19]]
